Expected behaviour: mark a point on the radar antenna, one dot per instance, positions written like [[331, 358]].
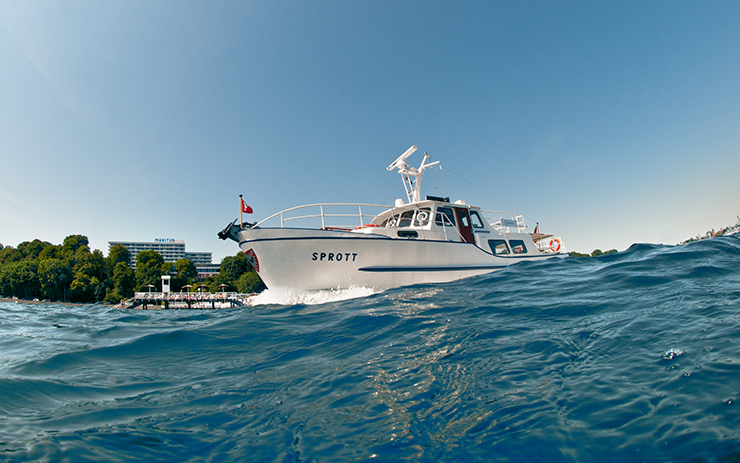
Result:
[[411, 185], [401, 161]]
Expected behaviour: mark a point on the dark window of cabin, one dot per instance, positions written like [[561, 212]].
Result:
[[405, 220], [498, 247], [444, 214], [391, 222], [407, 234], [476, 219], [518, 247]]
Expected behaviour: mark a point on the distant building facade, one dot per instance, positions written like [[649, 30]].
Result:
[[171, 250]]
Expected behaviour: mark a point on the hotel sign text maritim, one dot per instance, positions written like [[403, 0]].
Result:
[[164, 240]]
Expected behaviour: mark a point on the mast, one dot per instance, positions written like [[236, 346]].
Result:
[[410, 176]]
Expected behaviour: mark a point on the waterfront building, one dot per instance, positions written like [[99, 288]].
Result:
[[207, 270], [171, 250]]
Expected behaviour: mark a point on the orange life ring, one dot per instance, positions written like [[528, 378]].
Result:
[[555, 245], [368, 225]]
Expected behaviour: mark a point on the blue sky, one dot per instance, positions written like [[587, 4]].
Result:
[[607, 123]]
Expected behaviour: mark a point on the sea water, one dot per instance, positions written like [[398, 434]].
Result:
[[633, 356]]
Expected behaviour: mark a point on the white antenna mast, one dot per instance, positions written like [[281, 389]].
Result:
[[412, 186]]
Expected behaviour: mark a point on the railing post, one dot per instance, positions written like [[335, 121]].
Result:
[[361, 222], [321, 208]]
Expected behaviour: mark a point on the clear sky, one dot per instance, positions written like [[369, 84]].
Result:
[[609, 123]]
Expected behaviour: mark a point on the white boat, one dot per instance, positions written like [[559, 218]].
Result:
[[430, 240]]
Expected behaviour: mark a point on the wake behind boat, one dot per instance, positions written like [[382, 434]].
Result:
[[430, 240]]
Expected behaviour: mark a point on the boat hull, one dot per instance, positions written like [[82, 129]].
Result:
[[323, 259]]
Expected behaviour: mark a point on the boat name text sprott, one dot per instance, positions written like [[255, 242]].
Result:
[[332, 257]]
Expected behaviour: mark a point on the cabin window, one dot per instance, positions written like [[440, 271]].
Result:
[[405, 220], [422, 217], [391, 222], [476, 219], [444, 215], [498, 247], [518, 247], [464, 221]]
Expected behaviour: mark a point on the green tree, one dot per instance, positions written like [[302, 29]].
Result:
[[118, 253], [32, 249], [72, 243], [113, 297], [185, 273], [10, 254], [233, 267], [85, 288], [79, 256], [20, 279], [123, 280], [91, 264], [51, 252], [250, 282], [5, 288], [54, 276], [236, 272], [148, 269], [214, 283], [599, 252]]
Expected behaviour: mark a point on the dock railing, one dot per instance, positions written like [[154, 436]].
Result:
[[194, 300]]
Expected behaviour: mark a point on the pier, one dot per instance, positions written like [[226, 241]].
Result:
[[158, 301]]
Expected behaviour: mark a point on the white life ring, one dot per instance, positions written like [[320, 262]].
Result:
[[555, 245]]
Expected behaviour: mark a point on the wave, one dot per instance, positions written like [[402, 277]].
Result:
[[623, 357], [287, 296]]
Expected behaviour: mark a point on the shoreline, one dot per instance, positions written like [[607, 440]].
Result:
[[26, 301], [125, 305]]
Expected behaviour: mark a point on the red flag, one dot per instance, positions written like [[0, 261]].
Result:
[[245, 208], [537, 228]]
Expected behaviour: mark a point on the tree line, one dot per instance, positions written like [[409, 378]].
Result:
[[594, 253], [71, 272]]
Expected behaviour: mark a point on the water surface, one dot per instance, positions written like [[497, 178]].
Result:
[[627, 357]]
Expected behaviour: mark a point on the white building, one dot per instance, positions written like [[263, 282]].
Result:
[[171, 250]]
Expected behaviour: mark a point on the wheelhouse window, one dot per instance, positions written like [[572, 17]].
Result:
[[476, 219], [445, 216], [498, 247], [518, 247], [406, 218], [418, 218], [422, 217]]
